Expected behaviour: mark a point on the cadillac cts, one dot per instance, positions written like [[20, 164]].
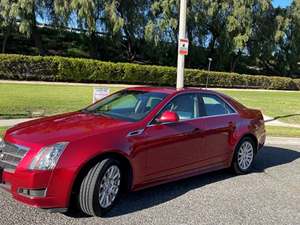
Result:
[[136, 138]]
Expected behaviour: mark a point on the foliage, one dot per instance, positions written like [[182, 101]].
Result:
[[2, 130], [244, 36], [87, 70], [297, 82]]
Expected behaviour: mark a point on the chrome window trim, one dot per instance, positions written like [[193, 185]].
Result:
[[150, 124]]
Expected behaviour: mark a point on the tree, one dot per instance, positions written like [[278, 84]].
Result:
[[57, 12], [240, 24], [125, 20], [163, 23], [25, 12], [89, 14], [276, 41], [7, 21], [293, 34]]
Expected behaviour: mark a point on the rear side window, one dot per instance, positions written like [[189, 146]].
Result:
[[214, 105]]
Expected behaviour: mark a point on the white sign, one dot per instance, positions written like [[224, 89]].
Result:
[[184, 46], [100, 93]]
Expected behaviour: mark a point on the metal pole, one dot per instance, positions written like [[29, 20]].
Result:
[[182, 35], [209, 63]]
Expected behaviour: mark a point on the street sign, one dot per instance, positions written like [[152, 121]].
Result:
[[100, 93], [183, 46]]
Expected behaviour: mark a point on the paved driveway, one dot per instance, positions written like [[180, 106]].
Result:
[[270, 195]]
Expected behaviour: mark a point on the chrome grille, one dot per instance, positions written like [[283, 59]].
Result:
[[11, 155]]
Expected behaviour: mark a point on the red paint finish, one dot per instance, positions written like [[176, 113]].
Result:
[[159, 153], [168, 117]]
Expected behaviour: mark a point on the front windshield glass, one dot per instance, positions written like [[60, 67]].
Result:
[[128, 105]]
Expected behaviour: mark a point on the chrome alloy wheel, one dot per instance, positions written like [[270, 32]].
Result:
[[245, 155], [109, 186]]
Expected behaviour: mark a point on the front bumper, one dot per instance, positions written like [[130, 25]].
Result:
[[35, 188]]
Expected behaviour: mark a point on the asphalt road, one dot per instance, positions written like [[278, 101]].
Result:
[[269, 195]]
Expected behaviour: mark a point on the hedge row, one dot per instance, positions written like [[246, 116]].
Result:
[[297, 82], [18, 67]]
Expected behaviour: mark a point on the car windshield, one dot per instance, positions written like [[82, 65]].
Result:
[[127, 105]]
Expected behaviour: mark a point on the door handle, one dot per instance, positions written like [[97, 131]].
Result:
[[191, 132], [195, 131]]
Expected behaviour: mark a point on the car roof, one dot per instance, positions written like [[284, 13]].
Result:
[[169, 90]]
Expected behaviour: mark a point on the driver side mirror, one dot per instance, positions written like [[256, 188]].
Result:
[[168, 117]]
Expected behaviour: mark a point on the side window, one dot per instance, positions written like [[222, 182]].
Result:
[[152, 102], [128, 101], [185, 105], [214, 105]]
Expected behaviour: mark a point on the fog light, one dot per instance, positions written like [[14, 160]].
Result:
[[32, 192]]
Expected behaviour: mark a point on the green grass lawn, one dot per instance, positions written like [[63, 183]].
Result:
[[272, 103], [282, 132], [23, 98], [2, 129], [53, 99]]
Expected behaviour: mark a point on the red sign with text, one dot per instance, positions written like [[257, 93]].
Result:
[[184, 46]]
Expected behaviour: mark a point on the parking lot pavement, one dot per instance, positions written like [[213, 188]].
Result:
[[269, 195]]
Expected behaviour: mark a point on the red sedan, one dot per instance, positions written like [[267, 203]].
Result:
[[133, 139]]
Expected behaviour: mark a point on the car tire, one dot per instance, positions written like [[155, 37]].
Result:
[[244, 156], [101, 185]]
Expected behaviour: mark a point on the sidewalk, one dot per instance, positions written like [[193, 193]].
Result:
[[12, 122], [276, 123]]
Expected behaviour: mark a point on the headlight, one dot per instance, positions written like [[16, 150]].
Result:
[[48, 157]]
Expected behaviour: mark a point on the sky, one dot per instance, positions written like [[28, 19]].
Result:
[[282, 3]]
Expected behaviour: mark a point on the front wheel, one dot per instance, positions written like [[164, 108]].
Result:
[[100, 188], [244, 156]]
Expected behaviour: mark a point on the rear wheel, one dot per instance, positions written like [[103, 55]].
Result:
[[100, 188], [244, 156]]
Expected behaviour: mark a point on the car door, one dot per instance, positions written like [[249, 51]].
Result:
[[174, 148], [220, 123]]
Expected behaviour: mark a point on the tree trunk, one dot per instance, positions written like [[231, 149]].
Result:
[[38, 41], [93, 45], [5, 39], [269, 67], [35, 35], [212, 45], [235, 61], [130, 48]]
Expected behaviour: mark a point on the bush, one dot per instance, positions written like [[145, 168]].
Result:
[[50, 68], [297, 82], [18, 67]]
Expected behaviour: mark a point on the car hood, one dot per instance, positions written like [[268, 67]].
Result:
[[65, 127]]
